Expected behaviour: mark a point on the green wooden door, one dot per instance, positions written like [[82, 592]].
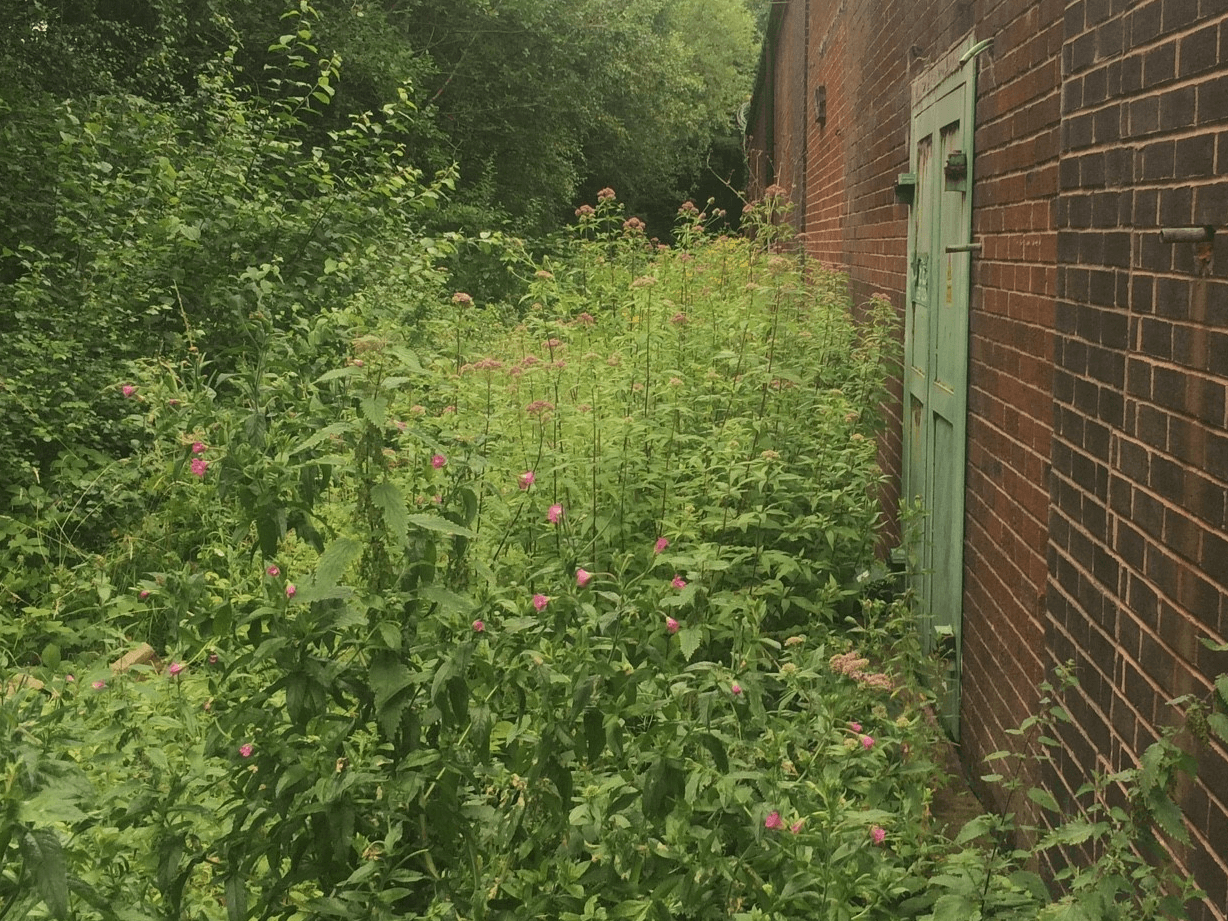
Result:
[[936, 365]]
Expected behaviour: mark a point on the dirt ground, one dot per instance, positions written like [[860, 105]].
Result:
[[954, 802]]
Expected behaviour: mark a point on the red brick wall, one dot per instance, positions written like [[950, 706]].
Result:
[[1010, 403], [1139, 551], [1097, 477]]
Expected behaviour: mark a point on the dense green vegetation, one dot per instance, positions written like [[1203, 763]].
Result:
[[485, 578]]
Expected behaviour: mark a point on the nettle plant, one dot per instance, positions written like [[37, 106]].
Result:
[[565, 617]]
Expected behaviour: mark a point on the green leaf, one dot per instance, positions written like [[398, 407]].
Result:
[[438, 524], [388, 499], [374, 410], [689, 639], [1219, 725], [335, 560], [1221, 687], [954, 908], [975, 827], [335, 373], [1167, 815], [44, 860], [1043, 798], [714, 745], [1074, 832]]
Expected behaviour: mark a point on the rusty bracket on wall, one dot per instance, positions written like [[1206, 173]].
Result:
[[964, 248]]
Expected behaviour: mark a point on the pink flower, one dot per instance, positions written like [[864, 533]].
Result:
[[245, 750], [582, 577], [438, 461], [127, 390], [174, 669], [199, 466], [540, 601], [291, 590], [98, 685], [867, 742], [527, 479], [774, 821], [878, 834], [69, 678], [554, 513], [272, 572], [736, 689], [143, 594], [660, 545], [796, 826], [856, 727], [460, 297], [479, 626], [198, 447], [678, 582], [671, 625]]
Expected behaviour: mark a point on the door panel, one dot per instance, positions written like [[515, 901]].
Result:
[[936, 363]]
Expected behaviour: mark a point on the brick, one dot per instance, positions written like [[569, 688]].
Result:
[[1172, 298], [1095, 87], [1195, 157], [1178, 14], [1156, 338], [1081, 53], [1111, 407], [1138, 378], [1144, 23], [1216, 463], [1176, 210], [1131, 74], [1144, 116], [1212, 103], [1159, 160], [1109, 38], [1211, 202], [1177, 108], [1197, 53], [1160, 65], [1151, 427]]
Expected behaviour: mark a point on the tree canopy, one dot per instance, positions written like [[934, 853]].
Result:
[[541, 102]]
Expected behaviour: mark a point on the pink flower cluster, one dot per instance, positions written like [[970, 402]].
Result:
[[853, 665]]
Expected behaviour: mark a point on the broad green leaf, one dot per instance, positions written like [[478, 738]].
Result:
[[976, 827], [1043, 798], [374, 410], [388, 499], [335, 560], [689, 640], [44, 860], [1219, 725], [1167, 815], [1074, 832], [441, 525], [335, 373], [955, 908]]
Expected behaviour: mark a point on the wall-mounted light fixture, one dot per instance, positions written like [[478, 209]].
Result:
[[820, 105]]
